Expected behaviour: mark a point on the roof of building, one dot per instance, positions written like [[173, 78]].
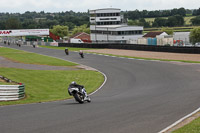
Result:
[[152, 34], [106, 9]]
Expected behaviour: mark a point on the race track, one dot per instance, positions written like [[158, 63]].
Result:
[[138, 97]]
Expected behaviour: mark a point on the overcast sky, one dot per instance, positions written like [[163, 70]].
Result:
[[21, 6]]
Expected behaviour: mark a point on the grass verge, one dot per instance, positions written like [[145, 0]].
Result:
[[193, 127], [50, 85], [45, 85], [32, 58]]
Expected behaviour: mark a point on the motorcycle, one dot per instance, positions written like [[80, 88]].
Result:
[[81, 54], [78, 94], [66, 51]]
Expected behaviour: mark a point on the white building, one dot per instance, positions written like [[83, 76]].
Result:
[[107, 25], [183, 36], [156, 38]]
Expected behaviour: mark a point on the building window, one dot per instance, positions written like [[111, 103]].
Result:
[[113, 18], [104, 18], [105, 14], [139, 32]]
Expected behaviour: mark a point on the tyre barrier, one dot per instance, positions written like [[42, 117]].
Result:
[[11, 92]]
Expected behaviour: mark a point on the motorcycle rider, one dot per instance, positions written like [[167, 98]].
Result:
[[81, 53], [75, 85]]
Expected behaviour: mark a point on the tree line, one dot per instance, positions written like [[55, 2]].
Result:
[[153, 14], [160, 13], [74, 20], [169, 18], [34, 20]]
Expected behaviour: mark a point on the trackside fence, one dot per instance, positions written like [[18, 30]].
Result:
[[12, 92], [173, 49]]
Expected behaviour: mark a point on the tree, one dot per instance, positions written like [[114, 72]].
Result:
[[2, 25], [70, 25], [51, 23], [174, 11], [144, 13], [60, 30], [188, 11], [182, 11], [29, 24], [82, 28], [176, 20], [196, 20], [155, 24], [159, 22], [152, 14], [133, 22], [166, 13], [195, 35], [180, 20], [13, 23], [171, 21], [142, 22], [196, 12], [133, 14]]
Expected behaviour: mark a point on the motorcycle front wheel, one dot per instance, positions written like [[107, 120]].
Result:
[[79, 97]]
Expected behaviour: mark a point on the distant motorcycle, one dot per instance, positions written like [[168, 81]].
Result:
[[66, 51], [81, 54], [78, 94]]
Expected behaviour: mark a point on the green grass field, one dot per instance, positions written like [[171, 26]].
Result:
[[49, 85], [193, 127], [187, 20], [32, 58], [46, 85]]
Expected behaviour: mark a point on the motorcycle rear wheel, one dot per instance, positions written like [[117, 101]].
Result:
[[79, 97]]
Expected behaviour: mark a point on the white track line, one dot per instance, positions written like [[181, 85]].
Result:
[[179, 121]]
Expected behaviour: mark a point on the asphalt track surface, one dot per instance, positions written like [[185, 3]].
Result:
[[138, 97]]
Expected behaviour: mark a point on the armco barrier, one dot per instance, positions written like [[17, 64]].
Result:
[[11, 92], [173, 49]]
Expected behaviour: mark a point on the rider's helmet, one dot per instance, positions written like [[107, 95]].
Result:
[[73, 82]]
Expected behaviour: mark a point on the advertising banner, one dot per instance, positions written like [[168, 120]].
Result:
[[25, 32]]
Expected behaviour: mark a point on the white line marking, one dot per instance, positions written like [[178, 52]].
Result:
[[180, 120]]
